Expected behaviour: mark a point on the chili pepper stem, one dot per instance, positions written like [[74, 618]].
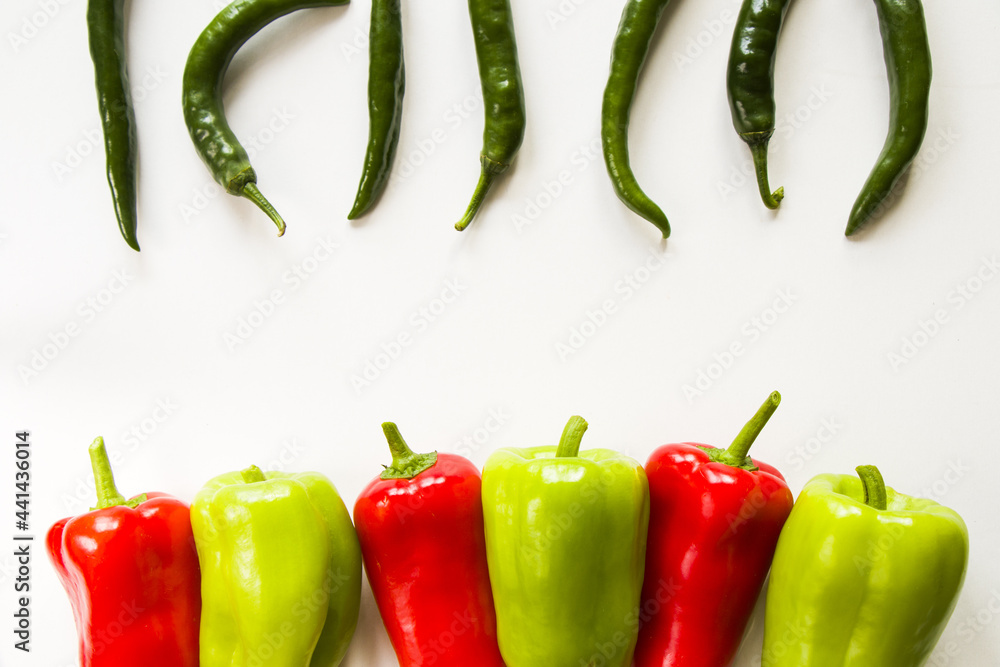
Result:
[[758, 149], [875, 493], [486, 178], [104, 479], [252, 474], [251, 192], [569, 443], [406, 464], [738, 453]]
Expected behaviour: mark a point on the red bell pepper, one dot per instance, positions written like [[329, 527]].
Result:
[[420, 525], [714, 520], [131, 571]]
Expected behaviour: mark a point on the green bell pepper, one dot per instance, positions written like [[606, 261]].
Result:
[[565, 545], [863, 576], [280, 570]]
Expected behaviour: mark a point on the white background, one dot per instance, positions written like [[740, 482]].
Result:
[[284, 397]]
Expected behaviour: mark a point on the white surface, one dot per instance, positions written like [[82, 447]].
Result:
[[285, 396]]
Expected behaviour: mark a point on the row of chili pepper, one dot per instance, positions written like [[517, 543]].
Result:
[[554, 557], [217, 144], [750, 83], [750, 87]]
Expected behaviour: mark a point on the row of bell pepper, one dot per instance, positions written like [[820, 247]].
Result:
[[555, 557]]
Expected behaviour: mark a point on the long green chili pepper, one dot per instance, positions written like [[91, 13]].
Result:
[[908, 61], [635, 31], [106, 28], [750, 83], [503, 98], [202, 92], [386, 84]]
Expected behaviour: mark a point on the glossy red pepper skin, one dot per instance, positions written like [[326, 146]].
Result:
[[424, 549], [713, 530], [133, 579]]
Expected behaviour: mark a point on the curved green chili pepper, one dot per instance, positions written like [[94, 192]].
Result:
[[908, 61], [386, 84], [628, 54], [106, 29], [202, 92], [503, 98], [750, 83]]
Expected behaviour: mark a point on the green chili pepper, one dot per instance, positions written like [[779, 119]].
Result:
[[635, 31], [106, 28], [503, 98], [386, 83], [202, 92], [908, 61], [750, 83]]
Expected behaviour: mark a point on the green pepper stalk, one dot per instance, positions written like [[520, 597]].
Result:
[[738, 453], [104, 480]]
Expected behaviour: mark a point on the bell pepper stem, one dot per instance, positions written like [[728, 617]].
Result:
[[104, 479], [406, 464], [875, 494], [569, 443], [252, 474], [739, 450]]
